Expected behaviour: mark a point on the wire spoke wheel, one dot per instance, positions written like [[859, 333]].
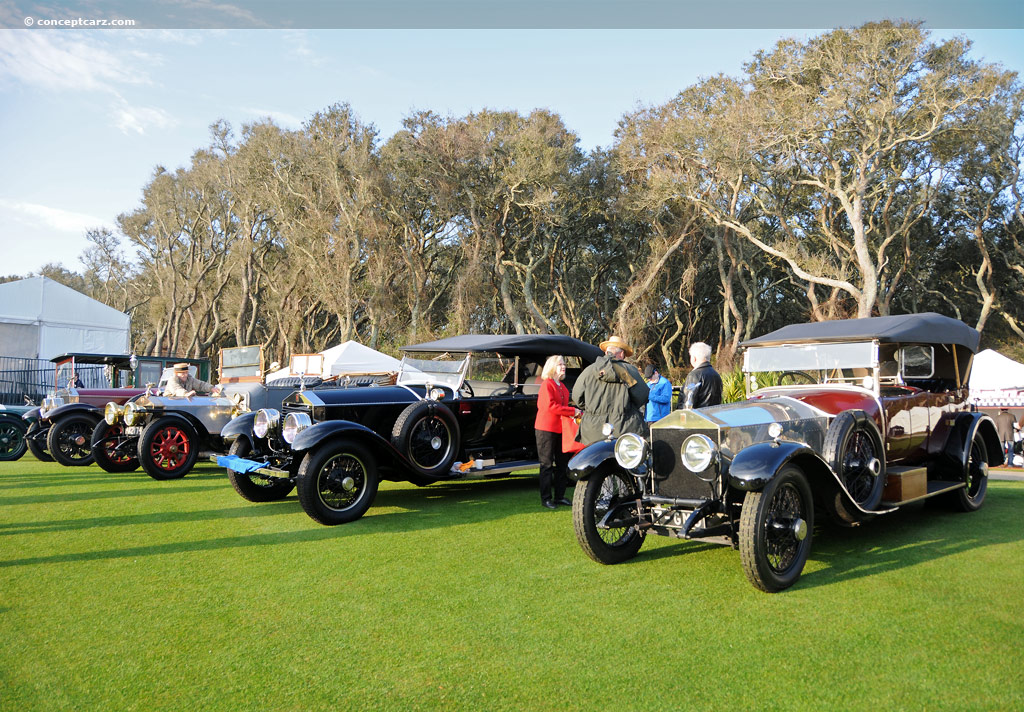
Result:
[[857, 473], [593, 499], [975, 477], [776, 531], [781, 543], [337, 483], [252, 485], [853, 449], [430, 442], [12, 440], [427, 434], [69, 440]]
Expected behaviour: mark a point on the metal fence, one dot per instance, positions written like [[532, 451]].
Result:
[[33, 377]]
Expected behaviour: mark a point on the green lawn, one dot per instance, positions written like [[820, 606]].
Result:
[[121, 592]]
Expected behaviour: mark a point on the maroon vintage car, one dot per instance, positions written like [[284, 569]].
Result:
[[61, 428], [851, 418]]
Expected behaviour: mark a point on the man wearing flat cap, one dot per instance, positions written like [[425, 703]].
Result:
[[611, 391], [184, 385]]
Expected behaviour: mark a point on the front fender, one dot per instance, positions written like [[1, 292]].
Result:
[[583, 464], [240, 425], [755, 466], [194, 423], [316, 434], [31, 415], [62, 411]]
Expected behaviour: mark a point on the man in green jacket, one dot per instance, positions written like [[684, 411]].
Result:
[[611, 391]]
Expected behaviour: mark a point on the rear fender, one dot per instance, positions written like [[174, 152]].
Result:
[[587, 460], [958, 444]]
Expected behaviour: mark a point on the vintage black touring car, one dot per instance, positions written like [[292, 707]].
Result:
[[462, 407], [852, 419]]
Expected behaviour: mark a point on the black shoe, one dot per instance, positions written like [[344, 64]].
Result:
[[564, 502], [549, 504]]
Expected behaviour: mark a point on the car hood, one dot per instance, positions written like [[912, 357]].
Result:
[[195, 403], [749, 413], [359, 395]]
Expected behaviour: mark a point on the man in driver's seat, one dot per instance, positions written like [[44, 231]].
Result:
[[184, 385]]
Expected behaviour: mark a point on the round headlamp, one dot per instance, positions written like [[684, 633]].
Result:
[[436, 394], [697, 452], [630, 451], [129, 414], [294, 424], [266, 420], [112, 413]]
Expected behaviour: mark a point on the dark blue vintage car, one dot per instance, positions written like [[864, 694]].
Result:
[[461, 407]]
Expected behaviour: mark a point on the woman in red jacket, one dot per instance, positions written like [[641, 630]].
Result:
[[552, 404]]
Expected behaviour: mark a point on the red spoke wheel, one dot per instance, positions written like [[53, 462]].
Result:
[[168, 448]]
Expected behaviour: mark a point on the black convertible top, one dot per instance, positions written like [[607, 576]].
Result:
[[927, 328], [512, 345]]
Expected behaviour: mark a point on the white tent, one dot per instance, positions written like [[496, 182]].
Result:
[[350, 357], [996, 380], [40, 318]]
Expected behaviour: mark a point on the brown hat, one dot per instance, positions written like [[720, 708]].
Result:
[[616, 341], [180, 367]]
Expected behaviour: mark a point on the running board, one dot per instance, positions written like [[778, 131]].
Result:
[[503, 468], [935, 487]]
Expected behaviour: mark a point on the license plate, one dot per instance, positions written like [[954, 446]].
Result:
[[133, 430]]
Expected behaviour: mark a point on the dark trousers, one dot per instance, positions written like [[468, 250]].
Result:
[[553, 464]]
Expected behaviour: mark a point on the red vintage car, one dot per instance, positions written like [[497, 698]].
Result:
[[851, 419]]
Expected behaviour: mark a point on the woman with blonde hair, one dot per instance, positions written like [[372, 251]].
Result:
[[552, 405]]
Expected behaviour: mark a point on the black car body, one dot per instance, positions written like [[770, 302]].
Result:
[[462, 406], [851, 419]]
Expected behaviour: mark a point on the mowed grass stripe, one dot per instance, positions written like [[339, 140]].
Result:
[[120, 592]]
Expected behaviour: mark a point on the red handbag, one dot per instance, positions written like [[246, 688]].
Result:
[[570, 435]]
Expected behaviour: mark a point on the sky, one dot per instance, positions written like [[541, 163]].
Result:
[[87, 115]]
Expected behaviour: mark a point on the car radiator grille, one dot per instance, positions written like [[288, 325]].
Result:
[[672, 479]]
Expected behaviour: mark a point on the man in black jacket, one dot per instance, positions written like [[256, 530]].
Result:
[[703, 385]]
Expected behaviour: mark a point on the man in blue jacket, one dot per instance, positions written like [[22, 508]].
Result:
[[659, 400]]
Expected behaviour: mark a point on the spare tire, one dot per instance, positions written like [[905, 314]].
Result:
[[853, 449], [427, 434]]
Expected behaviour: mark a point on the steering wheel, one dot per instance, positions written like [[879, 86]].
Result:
[[795, 378], [467, 388]]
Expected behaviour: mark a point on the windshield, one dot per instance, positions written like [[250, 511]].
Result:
[[796, 364], [441, 369]]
